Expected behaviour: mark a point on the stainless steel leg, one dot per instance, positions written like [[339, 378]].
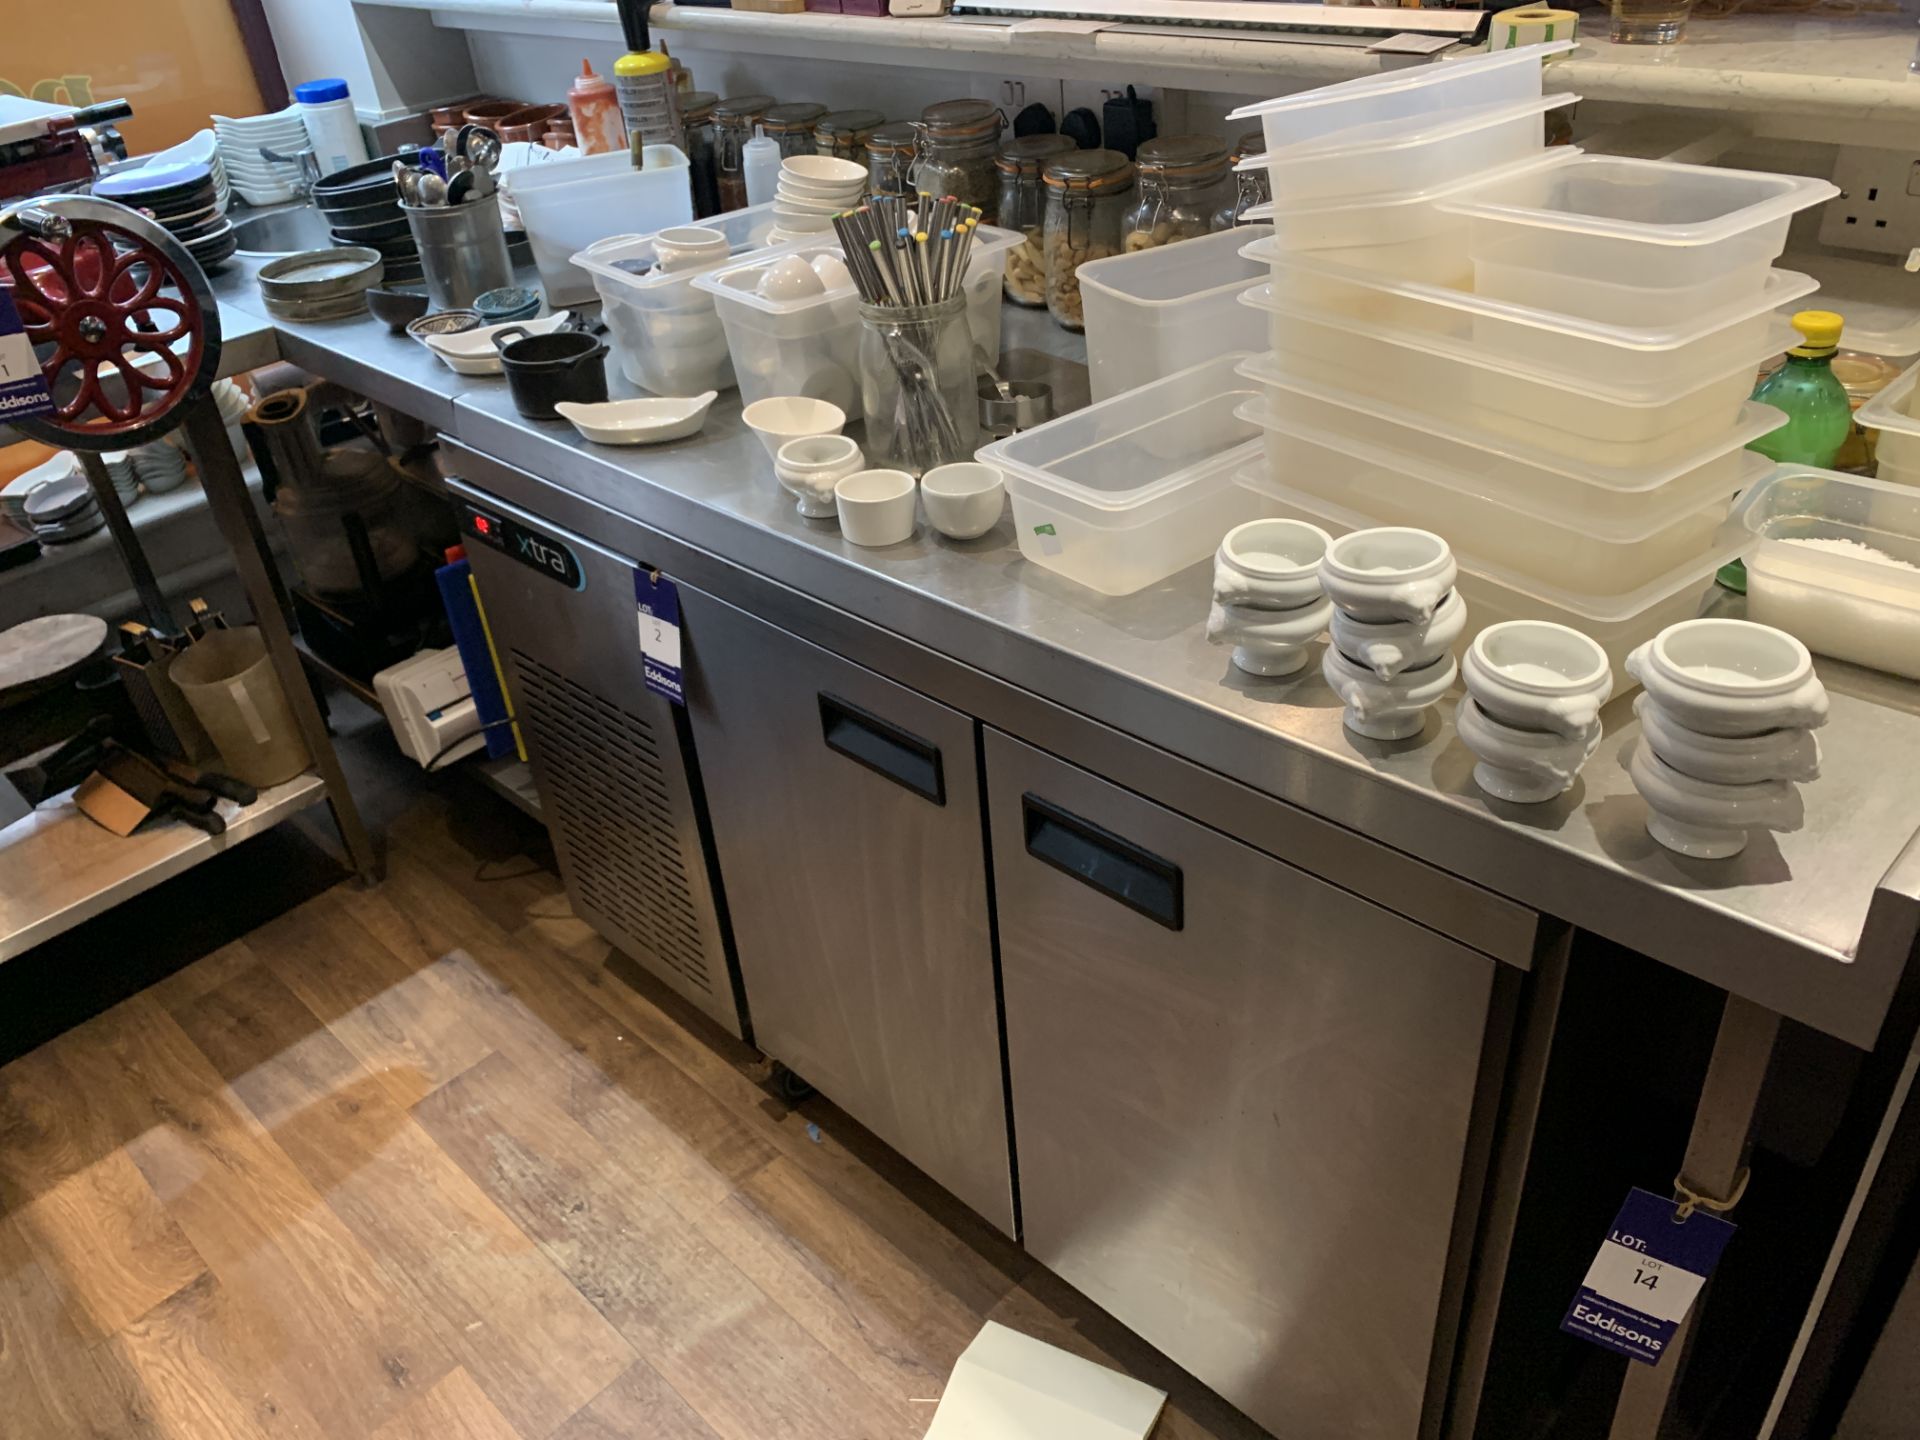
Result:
[[1716, 1152], [145, 585], [233, 512]]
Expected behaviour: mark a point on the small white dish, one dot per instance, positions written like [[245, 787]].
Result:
[[1386, 709], [1525, 767], [963, 500], [1387, 647], [789, 278], [1731, 677], [809, 468], [638, 422], [780, 418], [823, 170], [1535, 675], [1270, 564], [1268, 642], [1789, 754], [1393, 572], [689, 247], [799, 224], [1704, 820], [875, 507], [472, 352]]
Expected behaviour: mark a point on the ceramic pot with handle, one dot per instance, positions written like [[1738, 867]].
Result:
[[546, 370]]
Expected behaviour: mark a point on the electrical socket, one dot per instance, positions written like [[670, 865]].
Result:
[[1878, 207]]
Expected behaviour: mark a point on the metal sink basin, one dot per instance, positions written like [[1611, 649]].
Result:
[[284, 232]]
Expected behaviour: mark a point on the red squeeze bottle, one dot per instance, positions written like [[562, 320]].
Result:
[[596, 113]]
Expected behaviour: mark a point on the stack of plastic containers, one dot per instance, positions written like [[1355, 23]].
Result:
[[1542, 356]]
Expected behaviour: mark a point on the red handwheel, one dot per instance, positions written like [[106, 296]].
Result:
[[119, 315]]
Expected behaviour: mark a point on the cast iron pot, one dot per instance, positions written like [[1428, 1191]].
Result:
[[543, 370]]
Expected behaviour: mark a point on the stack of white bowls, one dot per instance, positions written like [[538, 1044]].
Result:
[[1541, 355], [241, 141], [811, 190], [1726, 733], [1267, 600], [161, 466], [1396, 618], [1532, 712]]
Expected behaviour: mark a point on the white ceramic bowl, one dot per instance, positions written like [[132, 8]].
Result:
[[1536, 675], [823, 170], [780, 418], [1271, 564], [472, 352], [1525, 767], [801, 223], [1386, 709], [1704, 820], [963, 500], [1387, 647], [809, 468], [810, 204], [1265, 641], [1393, 572], [638, 422], [1731, 677], [690, 247], [1789, 754], [876, 506], [789, 278]]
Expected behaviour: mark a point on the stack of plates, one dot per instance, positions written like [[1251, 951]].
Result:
[[161, 466], [812, 189], [362, 206], [63, 510], [259, 180], [184, 197], [321, 284], [13, 495]]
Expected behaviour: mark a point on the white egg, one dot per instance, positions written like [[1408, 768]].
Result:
[[789, 278], [832, 271]]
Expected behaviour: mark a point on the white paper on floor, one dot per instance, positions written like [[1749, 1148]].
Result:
[[1009, 1386]]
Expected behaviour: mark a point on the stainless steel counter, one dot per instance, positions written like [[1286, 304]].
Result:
[[1817, 924]]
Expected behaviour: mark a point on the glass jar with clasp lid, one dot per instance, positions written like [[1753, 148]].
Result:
[[790, 126], [890, 158], [958, 142], [1023, 207], [1251, 187], [703, 143], [1183, 182], [734, 119], [843, 133], [1088, 195]]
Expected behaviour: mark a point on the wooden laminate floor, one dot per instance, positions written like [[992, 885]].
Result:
[[413, 1163]]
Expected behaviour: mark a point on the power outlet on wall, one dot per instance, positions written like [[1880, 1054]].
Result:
[[1878, 207]]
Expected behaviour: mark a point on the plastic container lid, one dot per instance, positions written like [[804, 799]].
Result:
[[1426, 195], [1096, 172], [1385, 136], [319, 92], [1390, 82], [1029, 154]]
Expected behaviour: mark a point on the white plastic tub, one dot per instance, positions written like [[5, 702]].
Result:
[[1571, 415], [664, 332], [1838, 598], [1600, 228], [1494, 593], [812, 346], [1155, 312], [1398, 94], [1522, 337], [1126, 492], [1438, 149], [563, 214]]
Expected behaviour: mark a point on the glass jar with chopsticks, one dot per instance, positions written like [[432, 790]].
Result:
[[917, 360]]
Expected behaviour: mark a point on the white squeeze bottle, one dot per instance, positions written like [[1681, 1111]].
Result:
[[760, 166]]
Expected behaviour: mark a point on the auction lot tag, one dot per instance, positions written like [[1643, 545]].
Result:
[[1644, 1280], [659, 605], [23, 389]]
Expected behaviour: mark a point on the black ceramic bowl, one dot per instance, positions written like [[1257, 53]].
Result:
[[359, 186], [396, 308]]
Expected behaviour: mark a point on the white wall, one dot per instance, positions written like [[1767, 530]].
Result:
[[395, 62]]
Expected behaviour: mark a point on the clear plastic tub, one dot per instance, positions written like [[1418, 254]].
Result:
[[1408, 154], [1896, 409], [1126, 492], [1854, 592], [665, 333], [812, 347], [1494, 593], [1158, 311], [1522, 337], [1556, 413], [1596, 227], [564, 216], [1400, 94]]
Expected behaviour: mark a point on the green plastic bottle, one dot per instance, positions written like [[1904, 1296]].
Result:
[[1819, 415]]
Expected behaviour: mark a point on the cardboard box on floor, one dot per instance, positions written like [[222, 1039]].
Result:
[[1008, 1386]]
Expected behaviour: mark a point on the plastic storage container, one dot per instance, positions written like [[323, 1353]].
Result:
[[812, 346], [1407, 154], [1835, 560], [1154, 312], [563, 214], [1630, 241], [1519, 336], [665, 333], [1895, 414], [1494, 593], [230, 683], [1401, 94], [1556, 413], [1126, 492]]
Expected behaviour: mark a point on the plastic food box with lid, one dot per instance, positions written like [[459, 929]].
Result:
[[812, 346], [1158, 311], [1835, 560], [1401, 94], [1895, 413], [1128, 491], [665, 333], [564, 212], [1629, 240], [1559, 413]]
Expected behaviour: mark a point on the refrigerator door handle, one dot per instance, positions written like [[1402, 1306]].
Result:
[[1117, 868], [883, 748]]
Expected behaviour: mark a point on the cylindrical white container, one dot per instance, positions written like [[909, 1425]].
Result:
[[333, 128]]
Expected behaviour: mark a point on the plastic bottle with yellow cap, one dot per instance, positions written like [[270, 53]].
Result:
[[1819, 415]]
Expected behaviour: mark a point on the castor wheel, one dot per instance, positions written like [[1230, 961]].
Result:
[[789, 1086]]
